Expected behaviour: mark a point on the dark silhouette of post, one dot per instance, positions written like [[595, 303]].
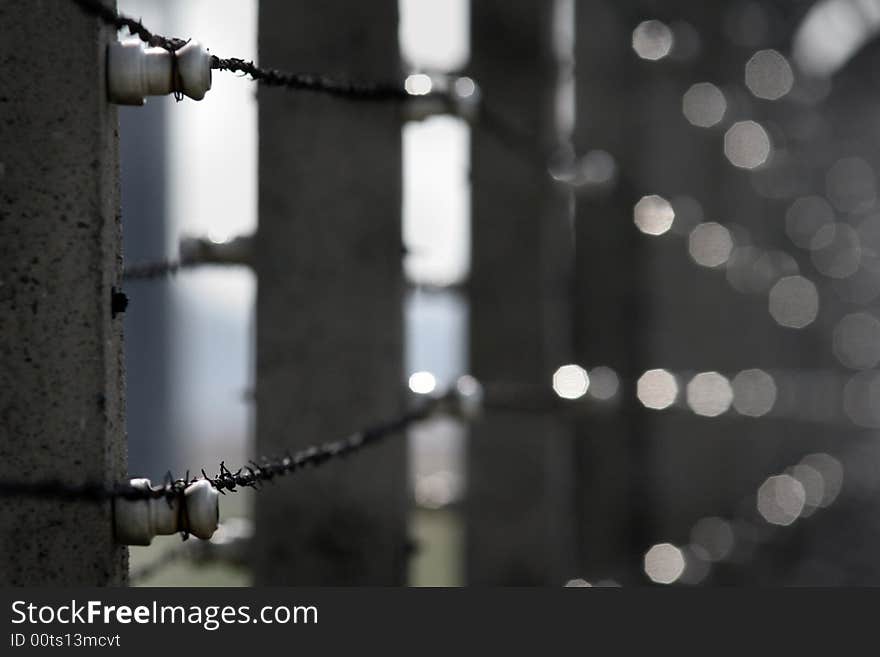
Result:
[[329, 317], [610, 308], [520, 469], [60, 340]]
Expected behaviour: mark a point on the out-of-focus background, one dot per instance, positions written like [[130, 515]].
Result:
[[706, 404]]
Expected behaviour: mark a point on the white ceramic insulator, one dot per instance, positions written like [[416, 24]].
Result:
[[136, 522], [135, 72]]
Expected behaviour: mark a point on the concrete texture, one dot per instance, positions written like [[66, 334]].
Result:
[[329, 317], [61, 403]]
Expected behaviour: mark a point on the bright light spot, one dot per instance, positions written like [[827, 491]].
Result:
[[769, 75], [604, 383], [856, 341], [794, 302], [747, 145], [832, 475], [710, 244], [831, 32], [781, 499], [851, 185], [422, 383], [436, 490], [664, 563], [571, 382], [653, 215], [715, 536], [709, 394], [418, 84], [464, 87], [578, 583], [704, 105], [652, 40], [754, 393], [836, 250], [219, 236], [657, 389], [805, 217]]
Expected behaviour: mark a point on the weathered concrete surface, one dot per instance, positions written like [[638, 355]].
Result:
[[329, 318], [520, 473], [61, 406]]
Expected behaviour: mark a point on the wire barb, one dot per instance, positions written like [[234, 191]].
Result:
[[252, 475], [377, 91], [110, 16]]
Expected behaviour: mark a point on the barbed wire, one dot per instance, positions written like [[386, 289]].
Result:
[[252, 475], [109, 16], [515, 136], [377, 91]]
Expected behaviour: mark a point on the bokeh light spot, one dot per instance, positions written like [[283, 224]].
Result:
[[747, 145], [422, 383], [652, 40], [836, 250], [832, 475], [805, 217], [571, 382], [856, 341], [769, 75], [664, 563], [604, 383], [709, 394], [754, 392], [657, 389], [418, 84], [704, 105], [781, 499], [710, 244], [794, 302], [653, 215]]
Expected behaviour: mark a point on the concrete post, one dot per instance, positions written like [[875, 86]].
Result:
[[518, 508], [610, 305], [329, 317], [61, 402], [148, 321]]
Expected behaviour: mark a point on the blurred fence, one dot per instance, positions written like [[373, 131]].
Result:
[[672, 288]]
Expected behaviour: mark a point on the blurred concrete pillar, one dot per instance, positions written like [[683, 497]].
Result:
[[147, 322], [610, 305], [520, 470], [329, 316], [61, 400]]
